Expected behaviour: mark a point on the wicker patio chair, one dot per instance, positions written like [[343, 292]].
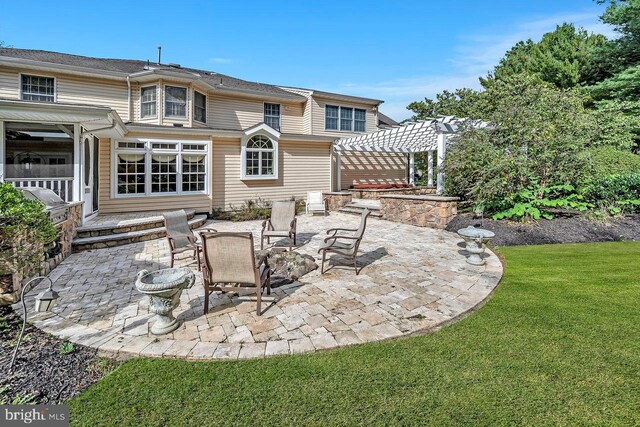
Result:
[[180, 236], [345, 245], [230, 266], [316, 202], [282, 223]]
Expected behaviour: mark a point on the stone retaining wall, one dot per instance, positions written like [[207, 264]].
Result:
[[10, 292], [337, 200], [423, 211], [375, 194]]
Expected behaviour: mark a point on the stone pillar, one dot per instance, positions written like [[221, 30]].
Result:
[[337, 199], [422, 211]]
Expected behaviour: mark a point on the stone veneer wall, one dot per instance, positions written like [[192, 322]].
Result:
[[373, 194], [337, 200], [10, 292], [423, 211]]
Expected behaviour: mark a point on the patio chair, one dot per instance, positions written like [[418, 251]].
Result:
[[180, 236], [230, 266], [345, 245], [281, 224], [316, 202]]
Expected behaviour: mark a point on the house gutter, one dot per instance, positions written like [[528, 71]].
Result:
[[129, 99]]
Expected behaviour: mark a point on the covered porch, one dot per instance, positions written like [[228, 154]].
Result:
[[55, 146]]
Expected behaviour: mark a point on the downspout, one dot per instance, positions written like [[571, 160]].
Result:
[[129, 98]]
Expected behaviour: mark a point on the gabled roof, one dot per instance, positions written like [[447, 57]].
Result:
[[332, 95], [412, 137], [126, 67], [384, 120]]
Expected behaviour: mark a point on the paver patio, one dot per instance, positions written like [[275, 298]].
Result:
[[414, 279]]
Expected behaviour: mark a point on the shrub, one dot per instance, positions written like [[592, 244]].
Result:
[[251, 210], [606, 161], [540, 202], [25, 229], [616, 193]]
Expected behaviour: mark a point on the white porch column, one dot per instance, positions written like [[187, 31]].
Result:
[[3, 158], [442, 148], [430, 168], [77, 164], [412, 168], [338, 170]]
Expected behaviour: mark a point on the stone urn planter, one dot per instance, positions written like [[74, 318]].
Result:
[[164, 288], [476, 239]]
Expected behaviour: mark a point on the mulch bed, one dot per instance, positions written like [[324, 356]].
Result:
[[558, 230], [41, 369]]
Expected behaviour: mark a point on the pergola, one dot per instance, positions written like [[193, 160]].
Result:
[[414, 137]]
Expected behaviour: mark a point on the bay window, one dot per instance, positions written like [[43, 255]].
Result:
[[159, 167], [199, 107], [175, 101], [148, 101]]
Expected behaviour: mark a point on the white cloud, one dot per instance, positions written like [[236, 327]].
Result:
[[473, 56]]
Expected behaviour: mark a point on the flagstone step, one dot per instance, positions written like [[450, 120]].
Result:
[[115, 226], [124, 238], [358, 211], [371, 205]]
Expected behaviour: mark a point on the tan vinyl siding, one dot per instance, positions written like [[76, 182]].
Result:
[[9, 84], [107, 204], [225, 112], [317, 106], [303, 166], [79, 90], [372, 168]]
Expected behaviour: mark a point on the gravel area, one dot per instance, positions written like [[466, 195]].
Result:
[[558, 230], [41, 369]]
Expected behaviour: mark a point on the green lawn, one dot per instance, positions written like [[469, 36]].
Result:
[[558, 344]]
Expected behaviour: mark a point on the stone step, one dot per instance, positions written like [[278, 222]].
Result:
[[358, 211], [124, 226], [118, 239], [361, 205]]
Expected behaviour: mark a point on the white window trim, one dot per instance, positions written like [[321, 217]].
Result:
[[353, 118], [264, 114], [186, 105], [147, 151], [194, 106], [243, 157], [155, 116], [55, 86]]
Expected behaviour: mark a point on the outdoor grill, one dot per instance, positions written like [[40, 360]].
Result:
[[56, 208]]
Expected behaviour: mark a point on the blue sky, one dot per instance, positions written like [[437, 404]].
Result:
[[399, 51]]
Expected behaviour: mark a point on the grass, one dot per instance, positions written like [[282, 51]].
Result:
[[558, 344]]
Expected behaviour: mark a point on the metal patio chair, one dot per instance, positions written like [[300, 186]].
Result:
[[180, 236], [345, 245], [281, 224]]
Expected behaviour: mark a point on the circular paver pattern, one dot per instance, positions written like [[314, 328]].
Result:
[[413, 279]]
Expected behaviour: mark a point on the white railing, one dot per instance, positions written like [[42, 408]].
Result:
[[63, 187]]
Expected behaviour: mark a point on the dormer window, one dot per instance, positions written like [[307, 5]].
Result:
[[199, 107], [272, 115], [175, 102], [148, 101], [38, 88]]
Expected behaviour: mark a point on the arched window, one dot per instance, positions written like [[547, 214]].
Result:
[[260, 158]]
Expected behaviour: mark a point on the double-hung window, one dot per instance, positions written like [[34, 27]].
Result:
[[148, 101], [272, 115], [260, 158], [160, 167], [37, 88], [199, 107], [345, 118], [175, 101]]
